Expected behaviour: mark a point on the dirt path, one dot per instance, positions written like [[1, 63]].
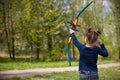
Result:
[[28, 72]]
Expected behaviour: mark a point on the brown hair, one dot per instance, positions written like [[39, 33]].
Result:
[[92, 35]]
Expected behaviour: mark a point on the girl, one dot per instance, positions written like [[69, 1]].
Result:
[[89, 54]]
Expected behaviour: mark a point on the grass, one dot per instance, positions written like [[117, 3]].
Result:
[[104, 74], [24, 63]]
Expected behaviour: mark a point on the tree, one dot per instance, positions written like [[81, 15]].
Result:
[[5, 26], [116, 11]]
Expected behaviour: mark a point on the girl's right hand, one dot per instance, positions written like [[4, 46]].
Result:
[[99, 41]]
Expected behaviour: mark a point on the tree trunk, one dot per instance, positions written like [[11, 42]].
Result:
[[37, 53], [6, 32], [49, 43], [119, 53], [31, 58], [13, 40], [0, 44], [38, 47], [2, 31]]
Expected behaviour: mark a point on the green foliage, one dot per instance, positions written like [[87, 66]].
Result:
[[37, 25]]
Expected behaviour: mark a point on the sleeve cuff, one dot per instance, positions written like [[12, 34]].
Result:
[[102, 45], [72, 34]]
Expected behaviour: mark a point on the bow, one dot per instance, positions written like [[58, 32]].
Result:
[[73, 26]]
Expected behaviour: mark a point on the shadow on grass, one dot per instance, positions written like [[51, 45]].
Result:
[[18, 59], [8, 60]]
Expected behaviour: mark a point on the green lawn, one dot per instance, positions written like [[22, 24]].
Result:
[[104, 74], [24, 63]]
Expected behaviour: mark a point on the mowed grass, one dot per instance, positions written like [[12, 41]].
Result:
[[24, 63], [104, 74]]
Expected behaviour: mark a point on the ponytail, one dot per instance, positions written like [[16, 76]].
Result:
[[92, 35]]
